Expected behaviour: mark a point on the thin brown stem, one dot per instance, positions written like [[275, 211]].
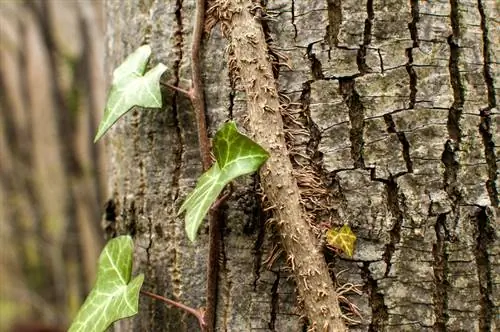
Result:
[[198, 100], [222, 199], [176, 88], [197, 95], [195, 312], [213, 259]]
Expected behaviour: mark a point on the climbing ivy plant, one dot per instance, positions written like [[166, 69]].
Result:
[[132, 86], [115, 296], [235, 155]]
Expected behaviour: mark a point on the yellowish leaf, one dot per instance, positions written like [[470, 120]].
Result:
[[343, 239]]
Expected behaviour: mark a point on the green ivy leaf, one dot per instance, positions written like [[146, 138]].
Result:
[[114, 295], [235, 155], [343, 239], [132, 87]]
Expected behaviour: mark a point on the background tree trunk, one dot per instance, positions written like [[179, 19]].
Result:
[[392, 125], [51, 191]]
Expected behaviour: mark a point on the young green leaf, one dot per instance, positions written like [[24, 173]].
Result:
[[343, 239], [131, 87], [114, 295], [235, 155]]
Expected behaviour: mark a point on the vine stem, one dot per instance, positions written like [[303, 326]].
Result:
[[250, 58], [197, 94], [198, 101], [195, 312], [197, 97]]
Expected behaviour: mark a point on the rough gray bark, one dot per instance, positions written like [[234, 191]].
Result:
[[391, 105]]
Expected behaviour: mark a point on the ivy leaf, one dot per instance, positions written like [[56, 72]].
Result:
[[114, 295], [235, 155], [132, 87], [343, 239]]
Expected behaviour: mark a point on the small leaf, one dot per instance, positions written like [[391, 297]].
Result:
[[343, 239], [114, 296], [235, 155], [131, 87]]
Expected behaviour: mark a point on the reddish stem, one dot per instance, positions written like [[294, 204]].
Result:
[[195, 312], [176, 88]]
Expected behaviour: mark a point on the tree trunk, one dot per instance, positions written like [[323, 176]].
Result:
[[391, 124], [51, 93]]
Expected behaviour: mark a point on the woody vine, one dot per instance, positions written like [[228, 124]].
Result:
[[116, 294]]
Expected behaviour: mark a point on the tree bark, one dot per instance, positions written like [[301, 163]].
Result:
[[391, 124]]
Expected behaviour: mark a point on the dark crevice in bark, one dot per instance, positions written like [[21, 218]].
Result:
[[440, 268], [376, 300], [487, 58], [367, 38], [395, 233], [485, 127], [391, 128], [179, 148], [450, 156], [315, 136], [381, 59], [274, 301], [412, 26], [316, 67], [334, 21], [455, 113], [261, 218], [293, 21], [131, 219], [273, 56], [230, 109], [356, 117], [486, 130], [109, 219], [485, 238], [449, 159]]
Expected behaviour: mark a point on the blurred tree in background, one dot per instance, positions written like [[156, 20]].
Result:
[[51, 174]]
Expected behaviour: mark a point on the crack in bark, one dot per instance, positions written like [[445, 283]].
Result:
[[395, 233], [391, 128], [315, 135], [485, 129], [450, 157], [456, 109], [334, 22], [293, 21], [376, 300], [412, 26], [257, 248], [440, 267], [316, 67], [274, 301], [485, 126], [367, 39], [356, 117], [487, 58], [484, 239]]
